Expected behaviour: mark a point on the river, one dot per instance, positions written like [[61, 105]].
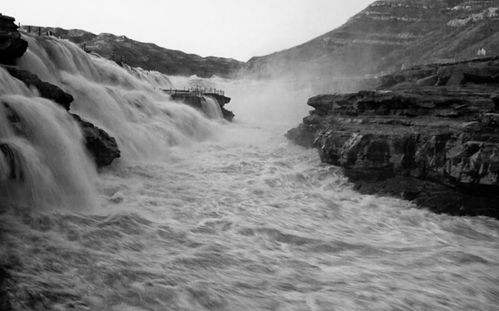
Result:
[[203, 214]]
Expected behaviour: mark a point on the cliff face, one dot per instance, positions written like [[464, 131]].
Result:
[[392, 33], [148, 56], [428, 133]]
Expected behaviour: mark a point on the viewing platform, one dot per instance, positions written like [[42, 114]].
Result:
[[194, 98], [196, 91]]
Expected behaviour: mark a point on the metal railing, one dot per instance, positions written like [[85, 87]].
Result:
[[195, 91]]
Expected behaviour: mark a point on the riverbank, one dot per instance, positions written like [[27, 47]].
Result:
[[428, 134]]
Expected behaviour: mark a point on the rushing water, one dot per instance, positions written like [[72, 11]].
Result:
[[204, 215], [211, 107]]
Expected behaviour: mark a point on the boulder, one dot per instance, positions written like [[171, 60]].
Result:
[[103, 148], [11, 44]]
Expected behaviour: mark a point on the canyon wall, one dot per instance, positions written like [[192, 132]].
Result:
[[390, 34], [428, 133]]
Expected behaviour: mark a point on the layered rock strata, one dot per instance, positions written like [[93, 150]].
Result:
[[428, 134], [389, 34]]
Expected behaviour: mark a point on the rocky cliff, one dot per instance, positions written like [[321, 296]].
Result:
[[390, 34], [148, 56], [428, 133]]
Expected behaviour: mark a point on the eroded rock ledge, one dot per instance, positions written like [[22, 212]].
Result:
[[45, 89], [428, 134]]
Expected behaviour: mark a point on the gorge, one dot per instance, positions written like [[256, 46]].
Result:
[[130, 186]]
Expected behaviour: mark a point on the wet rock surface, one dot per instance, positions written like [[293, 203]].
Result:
[[428, 134], [103, 147], [11, 44], [47, 90]]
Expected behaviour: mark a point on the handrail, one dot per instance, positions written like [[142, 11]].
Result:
[[196, 91]]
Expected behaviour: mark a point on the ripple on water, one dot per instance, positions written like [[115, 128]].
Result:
[[238, 227]]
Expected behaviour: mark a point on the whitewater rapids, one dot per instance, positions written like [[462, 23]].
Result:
[[216, 216]]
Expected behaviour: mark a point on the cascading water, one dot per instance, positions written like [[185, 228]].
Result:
[[127, 102], [204, 216], [42, 157], [46, 146], [211, 108]]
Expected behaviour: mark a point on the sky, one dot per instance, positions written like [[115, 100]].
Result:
[[237, 29]]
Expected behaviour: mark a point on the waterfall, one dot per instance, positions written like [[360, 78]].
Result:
[[42, 160], [42, 156], [211, 108], [126, 102]]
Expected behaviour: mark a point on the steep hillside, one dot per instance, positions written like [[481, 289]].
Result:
[[392, 33], [148, 56], [386, 36]]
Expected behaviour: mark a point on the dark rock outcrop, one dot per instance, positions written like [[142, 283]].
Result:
[[11, 44], [428, 134], [100, 144], [47, 90]]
